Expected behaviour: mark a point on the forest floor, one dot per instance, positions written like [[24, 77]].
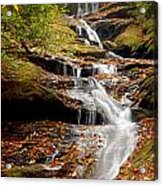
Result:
[[32, 147]]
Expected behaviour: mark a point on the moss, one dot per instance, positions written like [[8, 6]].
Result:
[[145, 153], [27, 171], [84, 50], [132, 37], [21, 79], [20, 70]]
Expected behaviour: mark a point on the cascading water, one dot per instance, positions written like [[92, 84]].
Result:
[[91, 34], [92, 37], [119, 142], [115, 113], [78, 72], [105, 69], [95, 6], [119, 132], [120, 136], [79, 116], [64, 69], [110, 54], [86, 8]]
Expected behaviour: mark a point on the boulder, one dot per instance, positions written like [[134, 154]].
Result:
[[28, 92]]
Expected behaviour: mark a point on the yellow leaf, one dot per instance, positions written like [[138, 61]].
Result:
[[16, 7]]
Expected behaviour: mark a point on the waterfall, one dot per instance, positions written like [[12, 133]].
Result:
[[91, 117], [79, 10], [113, 69], [79, 30], [96, 99], [92, 35], [125, 100], [110, 54], [106, 69], [86, 8], [86, 42], [107, 104], [120, 136], [73, 71], [79, 116], [119, 133], [78, 72], [64, 69], [93, 7], [119, 142]]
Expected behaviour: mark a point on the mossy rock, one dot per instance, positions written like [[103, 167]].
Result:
[[110, 45], [26, 94], [82, 50], [129, 41], [21, 79], [32, 171], [132, 37]]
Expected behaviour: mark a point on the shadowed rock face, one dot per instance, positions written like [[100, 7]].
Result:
[[44, 95], [109, 29], [41, 96]]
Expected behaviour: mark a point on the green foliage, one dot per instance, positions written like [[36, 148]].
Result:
[[140, 37], [39, 26], [147, 22]]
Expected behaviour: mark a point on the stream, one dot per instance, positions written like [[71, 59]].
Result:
[[101, 116], [117, 130]]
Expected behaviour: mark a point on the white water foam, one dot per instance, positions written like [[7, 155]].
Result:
[[119, 133]]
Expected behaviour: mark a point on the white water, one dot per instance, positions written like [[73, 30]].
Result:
[[125, 100], [110, 54], [119, 133], [79, 116], [92, 34], [64, 69], [86, 8], [105, 69], [120, 136], [119, 142], [78, 72], [93, 37], [79, 11], [88, 105]]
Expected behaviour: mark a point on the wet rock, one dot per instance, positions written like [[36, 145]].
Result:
[[108, 29]]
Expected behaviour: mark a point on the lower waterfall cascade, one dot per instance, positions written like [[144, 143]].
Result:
[[118, 131]]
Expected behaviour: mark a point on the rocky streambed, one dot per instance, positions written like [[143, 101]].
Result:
[[81, 117], [99, 114]]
